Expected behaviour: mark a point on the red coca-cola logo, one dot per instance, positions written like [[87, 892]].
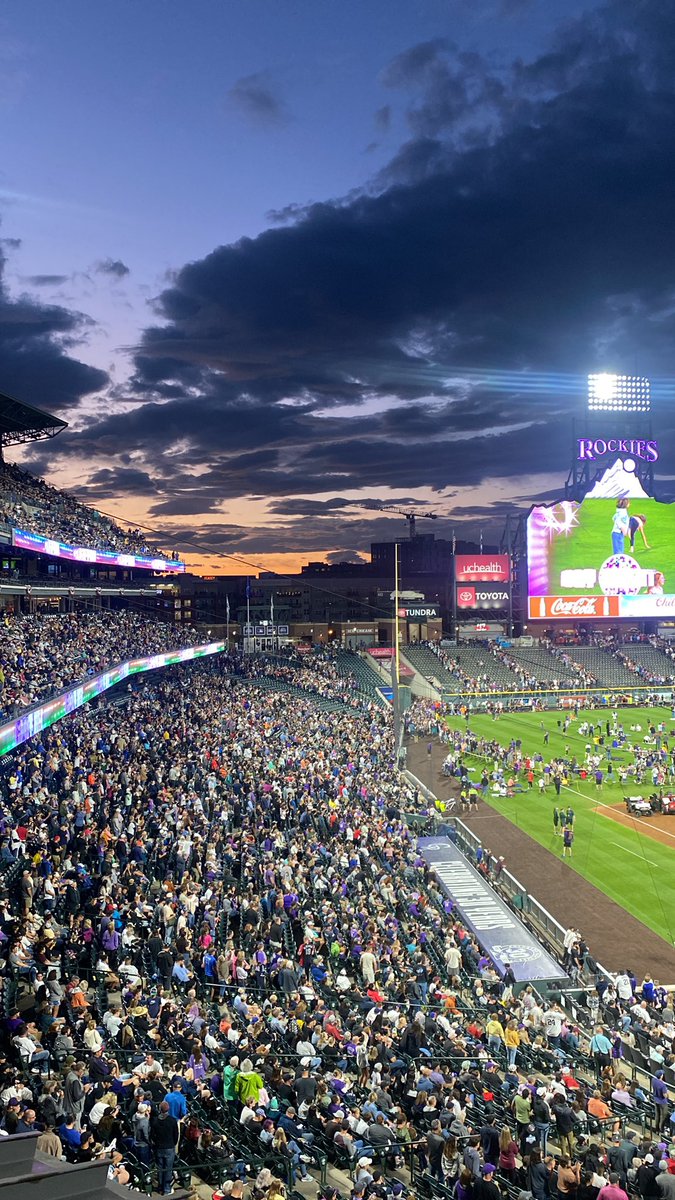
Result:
[[582, 607], [579, 606]]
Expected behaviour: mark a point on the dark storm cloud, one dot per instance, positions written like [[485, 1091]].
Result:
[[115, 481], [383, 118], [36, 343], [345, 556], [311, 508], [114, 267], [526, 226], [256, 97], [309, 536], [46, 280], [185, 505]]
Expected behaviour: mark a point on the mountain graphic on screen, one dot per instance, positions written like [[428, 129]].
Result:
[[617, 480]]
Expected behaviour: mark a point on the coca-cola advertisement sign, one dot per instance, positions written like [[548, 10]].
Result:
[[575, 608], [482, 568]]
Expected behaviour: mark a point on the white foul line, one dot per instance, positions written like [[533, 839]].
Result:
[[640, 856], [619, 811]]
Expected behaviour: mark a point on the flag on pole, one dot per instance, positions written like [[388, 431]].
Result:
[[227, 609], [248, 588]]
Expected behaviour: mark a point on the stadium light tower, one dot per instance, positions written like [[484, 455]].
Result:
[[618, 393]]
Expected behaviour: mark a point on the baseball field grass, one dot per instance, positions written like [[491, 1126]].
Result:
[[622, 860]]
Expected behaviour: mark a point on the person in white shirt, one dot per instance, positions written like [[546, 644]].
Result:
[[92, 1038], [149, 1064], [129, 973], [113, 1021], [453, 959], [343, 983], [97, 1110], [624, 990], [553, 1023]]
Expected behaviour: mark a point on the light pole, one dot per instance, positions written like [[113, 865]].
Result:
[[395, 665]]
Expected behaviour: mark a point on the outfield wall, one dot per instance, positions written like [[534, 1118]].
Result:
[[661, 694]]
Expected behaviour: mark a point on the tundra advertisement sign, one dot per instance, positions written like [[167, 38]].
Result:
[[420, 612]]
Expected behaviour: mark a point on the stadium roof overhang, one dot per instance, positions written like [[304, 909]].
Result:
[[21, 423]]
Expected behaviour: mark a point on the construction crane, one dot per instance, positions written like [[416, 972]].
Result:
[[410, 516]]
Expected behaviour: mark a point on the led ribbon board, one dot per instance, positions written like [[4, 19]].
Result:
[[85, 554], [13, 733]]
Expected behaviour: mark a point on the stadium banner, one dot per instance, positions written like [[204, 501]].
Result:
[[13, 733], [471, 595], [387, 652], [85, 554], [498, 931], [420, 612], [482, 568], [609, 555]]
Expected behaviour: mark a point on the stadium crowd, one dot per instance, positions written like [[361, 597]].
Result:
[[42, 653], [223, 951], [28, 503]]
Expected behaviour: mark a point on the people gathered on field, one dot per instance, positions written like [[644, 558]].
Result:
[[614, 749]]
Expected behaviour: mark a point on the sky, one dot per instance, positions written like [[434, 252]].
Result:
[[278, 264]]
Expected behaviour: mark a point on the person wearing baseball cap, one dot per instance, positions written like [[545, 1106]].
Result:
[[486, 1188]]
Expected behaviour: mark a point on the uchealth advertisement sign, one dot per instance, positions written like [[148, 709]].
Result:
[[482, 568], [475, 595], [498, 931]]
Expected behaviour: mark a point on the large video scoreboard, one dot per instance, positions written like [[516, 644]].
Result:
[[607, 556]]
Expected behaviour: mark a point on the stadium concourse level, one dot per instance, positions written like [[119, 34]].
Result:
[[41, 654], [27, 502], [223, 955], [488, 667]]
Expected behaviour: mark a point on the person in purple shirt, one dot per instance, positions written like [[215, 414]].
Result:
[[613, 1189], [660, 1099]]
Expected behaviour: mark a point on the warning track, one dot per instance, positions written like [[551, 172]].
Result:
[[616, 938]]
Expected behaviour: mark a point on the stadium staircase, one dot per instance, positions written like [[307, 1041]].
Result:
[[429, 666], [649, 659], [606, 668], [541, 665], [477, 662], [352, 666]]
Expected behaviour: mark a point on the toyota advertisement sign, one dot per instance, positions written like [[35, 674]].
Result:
[[477, 595], [482, 568]]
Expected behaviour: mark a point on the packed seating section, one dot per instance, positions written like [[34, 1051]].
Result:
[[210, 899], [27, 502]]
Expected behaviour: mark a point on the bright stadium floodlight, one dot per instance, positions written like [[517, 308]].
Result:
[[618, 393]]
